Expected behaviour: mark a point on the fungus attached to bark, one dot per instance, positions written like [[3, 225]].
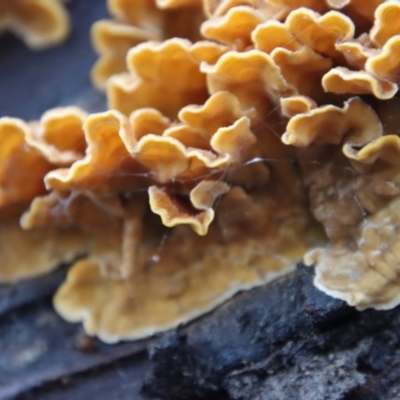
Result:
[[191, 169], [220, 165]]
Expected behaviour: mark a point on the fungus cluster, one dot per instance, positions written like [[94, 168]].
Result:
[[40, 23], [137, 22], [237, 143]]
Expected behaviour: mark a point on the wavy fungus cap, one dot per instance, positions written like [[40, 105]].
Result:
[[165, 76], [363, 270], [137, 22], [40, 23], [57, 139], [28, 152], [354, 193], [221, 163], [189, 274], [159, 251]]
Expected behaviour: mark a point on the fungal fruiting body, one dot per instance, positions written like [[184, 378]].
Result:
[[222, 162], [154, 202], [40, 23], [137, 22]]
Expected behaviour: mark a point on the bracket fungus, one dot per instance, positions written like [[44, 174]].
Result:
[[40, 23], [137, 22], [221, 162], [28, 152]]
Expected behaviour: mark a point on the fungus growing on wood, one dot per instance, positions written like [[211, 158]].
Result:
[[40, 23], [191, 169], [354, 194], [221, 165]]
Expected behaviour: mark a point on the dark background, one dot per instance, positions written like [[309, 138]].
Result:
[[32, 82]]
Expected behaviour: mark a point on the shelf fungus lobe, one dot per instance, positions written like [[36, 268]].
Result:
[[221, 163], [40, 23], [136, 22], [160, 207], [28, 152]]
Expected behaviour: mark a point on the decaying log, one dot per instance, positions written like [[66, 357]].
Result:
[[285, 340]]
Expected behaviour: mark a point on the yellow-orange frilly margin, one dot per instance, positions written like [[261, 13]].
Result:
[[40, 23], [221, 162]]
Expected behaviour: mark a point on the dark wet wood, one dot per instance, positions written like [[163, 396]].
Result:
[[37, 348], [282, 341]]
